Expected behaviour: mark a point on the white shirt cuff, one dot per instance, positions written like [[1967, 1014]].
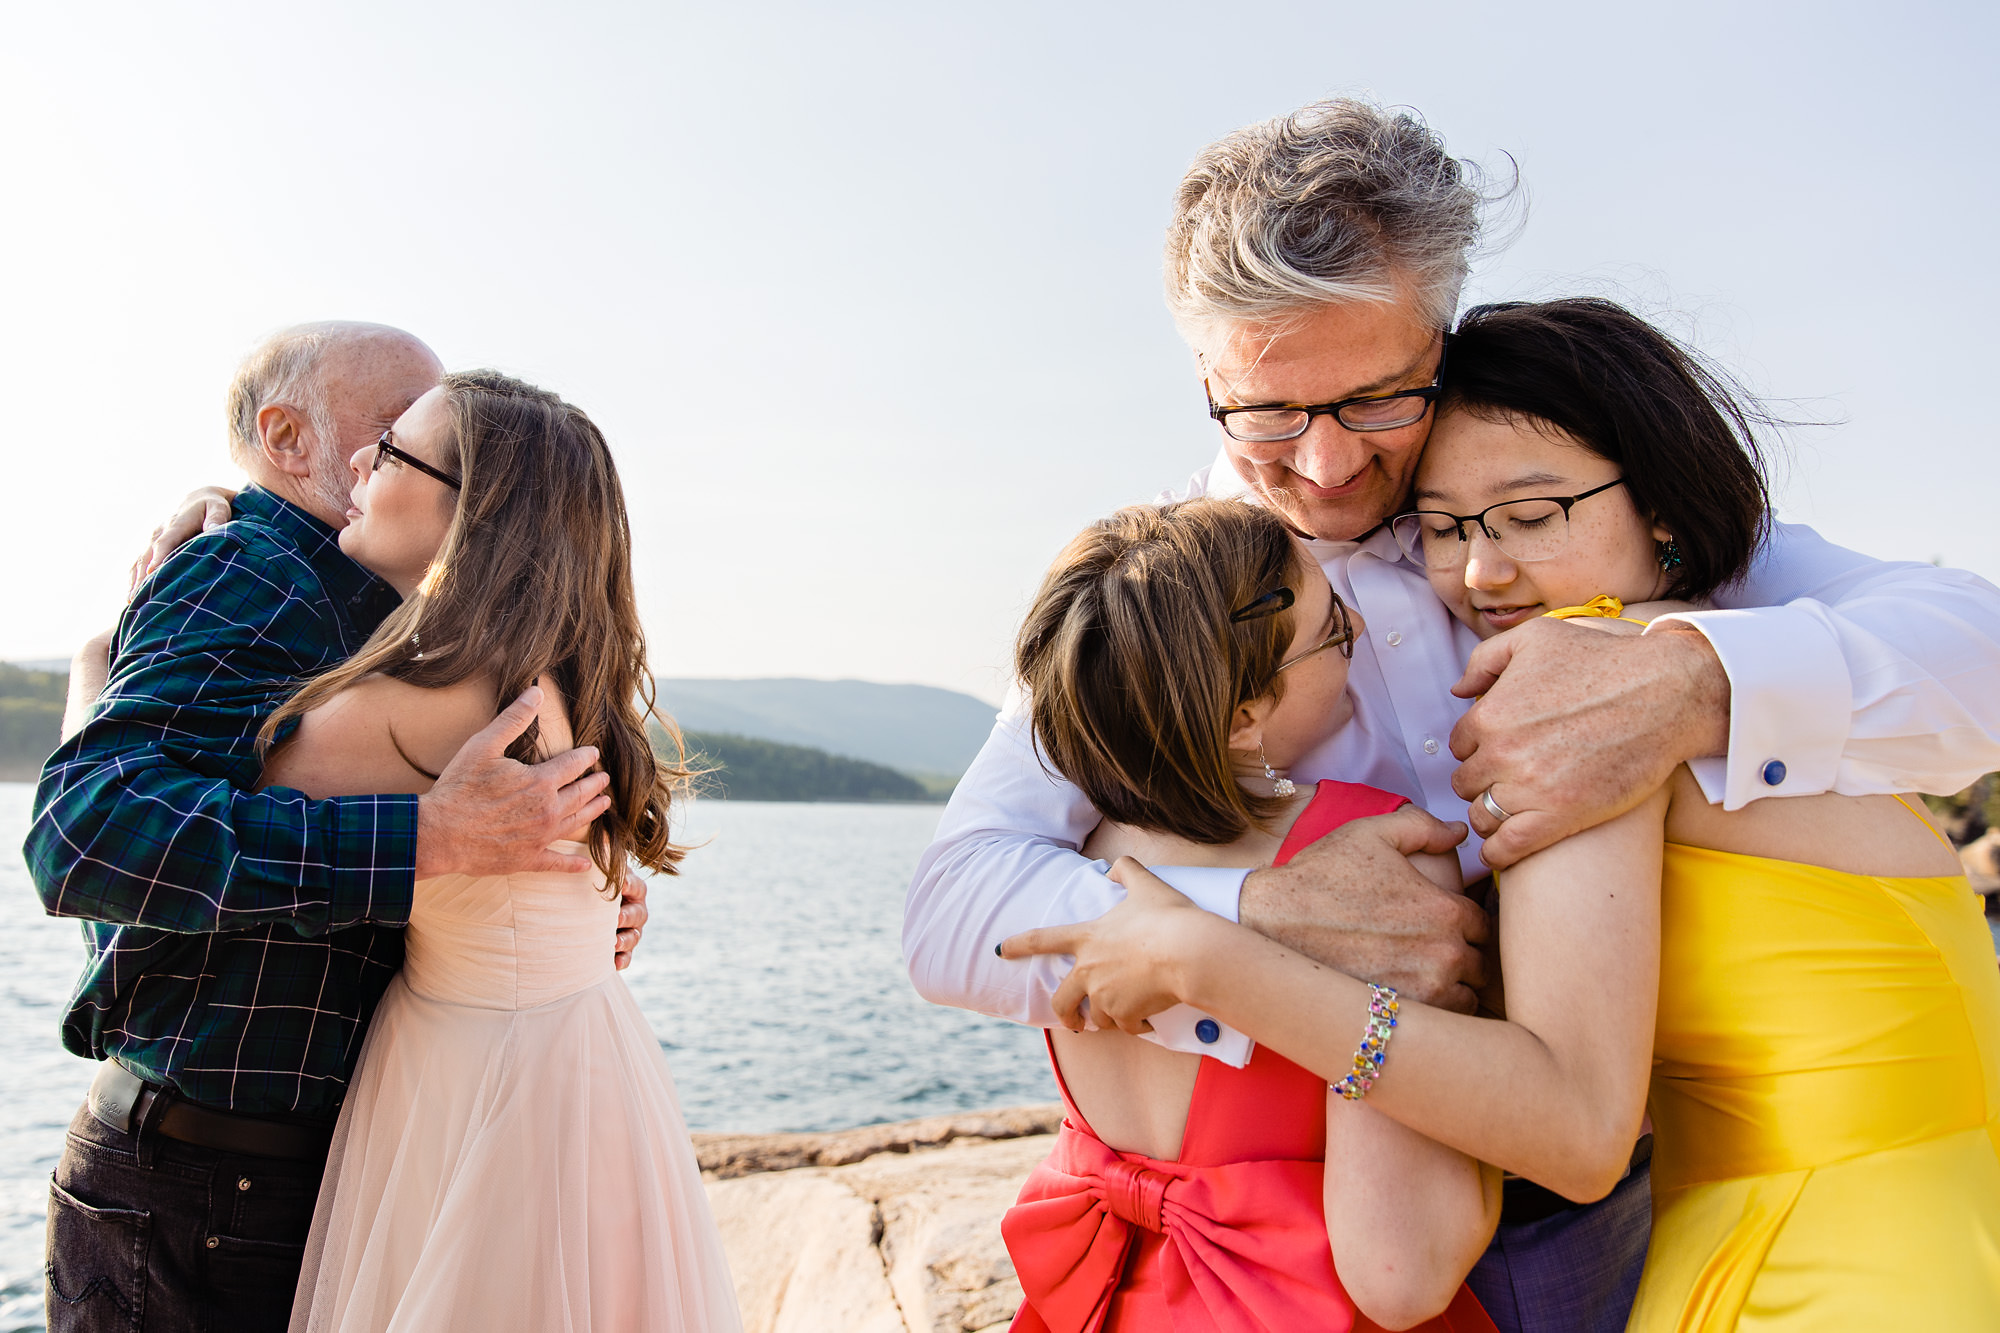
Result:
[[1791, 703], [1184, 1029]]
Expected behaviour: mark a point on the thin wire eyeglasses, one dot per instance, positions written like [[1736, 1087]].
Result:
[[1274, 423], [384, 449], [1280, 599], [1524, 530]]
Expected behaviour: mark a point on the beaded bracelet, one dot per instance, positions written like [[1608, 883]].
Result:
[[1382, 1007]]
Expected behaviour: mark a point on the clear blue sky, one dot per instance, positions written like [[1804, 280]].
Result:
[[867, 295]]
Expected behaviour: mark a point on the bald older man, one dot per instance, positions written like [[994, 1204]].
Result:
[[239, 939]]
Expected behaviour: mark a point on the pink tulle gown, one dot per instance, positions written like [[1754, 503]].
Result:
[[511, 1155]]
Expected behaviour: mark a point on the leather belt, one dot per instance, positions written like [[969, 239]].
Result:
[[121, 1100], [1523, 1201]]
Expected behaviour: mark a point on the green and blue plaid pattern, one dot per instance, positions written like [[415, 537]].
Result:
[[238, 939]]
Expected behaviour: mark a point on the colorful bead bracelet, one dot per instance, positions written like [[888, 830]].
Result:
[[1382, 1007]]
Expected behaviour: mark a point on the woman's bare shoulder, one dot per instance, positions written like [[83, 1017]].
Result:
[[1149, 847], [1861, 835], [381, 735]]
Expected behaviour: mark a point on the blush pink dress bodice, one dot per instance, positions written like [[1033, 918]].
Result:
[[511, 1153]]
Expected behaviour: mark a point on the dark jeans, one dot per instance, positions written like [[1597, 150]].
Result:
[[147, 1233], [1575, 1272]]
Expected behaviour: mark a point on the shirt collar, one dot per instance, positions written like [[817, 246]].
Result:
[[365, 598]]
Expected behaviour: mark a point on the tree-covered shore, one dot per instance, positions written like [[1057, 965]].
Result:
[[31, 706], [734, 767]]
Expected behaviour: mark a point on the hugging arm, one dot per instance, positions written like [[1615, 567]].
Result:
[[203, 510], [1406, 1216], [1554, 1092], [88, 672], [145, 816], [1005, 860], [1854, 675], [1861, 676]]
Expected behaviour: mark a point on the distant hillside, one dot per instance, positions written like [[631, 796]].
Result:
[[752, 768], [31, 707], [748, 769], [919, 729]]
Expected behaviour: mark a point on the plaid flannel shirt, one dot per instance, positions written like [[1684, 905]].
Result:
[[238, 939]]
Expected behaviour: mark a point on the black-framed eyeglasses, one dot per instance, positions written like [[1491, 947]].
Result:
[[1524, 530], [384, 449], [1280, 599], [1273, 423]]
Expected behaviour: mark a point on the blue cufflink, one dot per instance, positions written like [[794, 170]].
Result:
[[1208, 1030], [1774, 773]]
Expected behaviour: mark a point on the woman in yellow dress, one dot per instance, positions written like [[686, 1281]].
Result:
[[1810, 978]]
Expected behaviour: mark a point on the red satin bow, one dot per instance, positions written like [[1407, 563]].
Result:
[[1246, 1247]]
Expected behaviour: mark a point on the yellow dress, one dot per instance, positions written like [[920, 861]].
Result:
[[1825, 1101]]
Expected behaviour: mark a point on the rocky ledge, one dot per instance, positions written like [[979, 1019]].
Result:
[[882, 1229]]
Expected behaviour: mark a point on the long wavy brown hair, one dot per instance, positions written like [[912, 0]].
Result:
[[535, 579]]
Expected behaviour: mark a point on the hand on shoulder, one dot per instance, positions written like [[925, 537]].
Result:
[[380, 736]]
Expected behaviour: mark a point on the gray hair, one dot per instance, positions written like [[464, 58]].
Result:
[[284, 368], [1339, 201]]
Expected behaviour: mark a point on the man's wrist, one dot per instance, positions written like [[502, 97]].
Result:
[[1703, 690], [433, 855], [1255, 885]]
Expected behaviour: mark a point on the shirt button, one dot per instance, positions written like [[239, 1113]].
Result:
[[1393, 637], [1208, 1030], [1430, 745], [1774, 773]]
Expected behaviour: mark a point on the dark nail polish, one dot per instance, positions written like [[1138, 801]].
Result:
[[996, 951]]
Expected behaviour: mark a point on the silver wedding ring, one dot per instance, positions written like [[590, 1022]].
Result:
[[1493, 806]]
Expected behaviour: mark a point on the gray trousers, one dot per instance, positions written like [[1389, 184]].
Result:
[[1574, 1272]]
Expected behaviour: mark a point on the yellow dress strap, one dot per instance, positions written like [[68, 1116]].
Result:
[[1602, 607], [1936, 832]]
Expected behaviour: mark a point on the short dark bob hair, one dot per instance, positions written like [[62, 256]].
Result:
[[1677, 428]]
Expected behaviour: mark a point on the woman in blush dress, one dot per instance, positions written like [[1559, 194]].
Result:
[[510, 1153]]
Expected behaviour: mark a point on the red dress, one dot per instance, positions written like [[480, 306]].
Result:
[[1232, 1236]]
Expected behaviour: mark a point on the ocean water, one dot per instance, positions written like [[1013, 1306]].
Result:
[[771, 972]]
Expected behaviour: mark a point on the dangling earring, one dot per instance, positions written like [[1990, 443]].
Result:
[[1279, 786], [1669, 553], [418, 644]]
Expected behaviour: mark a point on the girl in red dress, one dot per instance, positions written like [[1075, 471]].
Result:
[[1179, 659]]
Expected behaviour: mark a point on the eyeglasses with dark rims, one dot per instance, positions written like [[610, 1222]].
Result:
[[1524, 530], [384, 449], [1272, 423]]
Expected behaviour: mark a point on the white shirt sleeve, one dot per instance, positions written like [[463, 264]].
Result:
[[1005, 860], [1852, 675]]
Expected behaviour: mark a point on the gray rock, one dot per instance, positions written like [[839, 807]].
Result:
[[883, 1229]]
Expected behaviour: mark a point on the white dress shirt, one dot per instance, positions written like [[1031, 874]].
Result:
[[1846, 674]]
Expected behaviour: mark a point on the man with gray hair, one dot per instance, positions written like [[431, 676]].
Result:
[[1314, 264], [239, 939]]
